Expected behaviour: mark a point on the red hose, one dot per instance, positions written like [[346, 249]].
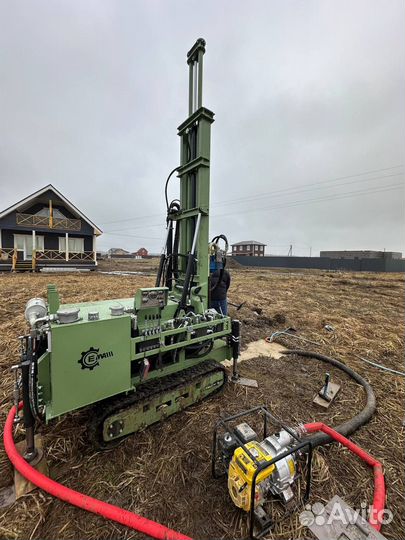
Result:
[[109, 511], [377, 511], [151, 528]]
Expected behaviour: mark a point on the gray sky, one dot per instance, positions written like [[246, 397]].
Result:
[[304, 92]]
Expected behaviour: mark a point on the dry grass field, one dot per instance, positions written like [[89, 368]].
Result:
[[163, 473]]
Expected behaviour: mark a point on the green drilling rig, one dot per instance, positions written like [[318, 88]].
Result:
[[132, 362]]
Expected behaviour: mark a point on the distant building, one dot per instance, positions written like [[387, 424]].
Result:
[[46, 230], [248, 248], [142, 252], [361, 254], [118, 252]]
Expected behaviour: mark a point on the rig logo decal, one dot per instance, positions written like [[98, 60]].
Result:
[[90, 359]]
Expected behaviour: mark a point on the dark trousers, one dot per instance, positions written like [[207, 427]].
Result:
[[220, 305]]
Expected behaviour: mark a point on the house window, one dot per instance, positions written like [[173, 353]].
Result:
[[256, 248], [24, 243], [39, 243], [55, 213], [75, 245], [19, 242], [248, 247]]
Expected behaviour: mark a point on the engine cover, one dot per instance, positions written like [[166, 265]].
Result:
[[277, 478], [241, 472]]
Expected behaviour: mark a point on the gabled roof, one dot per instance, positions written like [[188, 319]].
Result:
[[248, 242], [38, 193], [118, 251]]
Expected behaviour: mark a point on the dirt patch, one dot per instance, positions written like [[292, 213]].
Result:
[[164, 472]]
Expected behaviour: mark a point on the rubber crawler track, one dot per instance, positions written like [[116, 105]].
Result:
[[144, 393]]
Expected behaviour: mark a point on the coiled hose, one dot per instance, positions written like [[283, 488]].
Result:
[[377, 511], [108, 511], [364, 416], [323, 434]]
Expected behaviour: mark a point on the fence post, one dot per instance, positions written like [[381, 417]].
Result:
[[67, 246]]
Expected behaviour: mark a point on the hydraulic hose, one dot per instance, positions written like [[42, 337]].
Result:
[[377, 510], [166, 184], [109, 511], [364, 416]]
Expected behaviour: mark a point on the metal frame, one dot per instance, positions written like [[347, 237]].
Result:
[[223, 422]]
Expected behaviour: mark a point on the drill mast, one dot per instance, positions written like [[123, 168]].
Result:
[[188, 266]]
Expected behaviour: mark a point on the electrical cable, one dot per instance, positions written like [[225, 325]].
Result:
[[278, 191], [286, 332], [380, 366], [300, 202], [132, 236], [302, 189]]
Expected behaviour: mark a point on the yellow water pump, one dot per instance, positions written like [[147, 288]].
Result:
[[247, 466]]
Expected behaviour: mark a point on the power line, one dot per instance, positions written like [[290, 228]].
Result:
[[322, 182], [138, 227], [281, 193], [292, 188], [275, 194], [301, 202], [147, 216], [133, 236], [287, 204]]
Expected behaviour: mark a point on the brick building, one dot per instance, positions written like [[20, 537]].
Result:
[[142, 252], [250, 248]]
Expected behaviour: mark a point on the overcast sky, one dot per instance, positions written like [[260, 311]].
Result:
[[308, 142]]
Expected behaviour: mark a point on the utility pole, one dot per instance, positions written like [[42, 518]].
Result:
[[310, 251]]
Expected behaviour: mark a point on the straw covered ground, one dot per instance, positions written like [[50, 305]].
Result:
[[163, 473]]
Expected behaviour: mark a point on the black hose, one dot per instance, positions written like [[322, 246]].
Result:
[[167, 183], [195, 350], [175, 264], [160, 269], [352, 425]]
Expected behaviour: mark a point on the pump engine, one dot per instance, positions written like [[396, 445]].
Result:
[[276, 479], [259, 467]]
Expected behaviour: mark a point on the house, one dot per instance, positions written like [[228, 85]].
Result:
[[118, 253], [250, 248], [46, 230], [142, 252]]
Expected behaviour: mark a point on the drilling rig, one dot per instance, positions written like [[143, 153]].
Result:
[[132, 362]]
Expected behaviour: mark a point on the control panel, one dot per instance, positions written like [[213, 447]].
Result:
[[151, 298]]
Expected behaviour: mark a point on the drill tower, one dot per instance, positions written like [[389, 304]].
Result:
[[134, 361]]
